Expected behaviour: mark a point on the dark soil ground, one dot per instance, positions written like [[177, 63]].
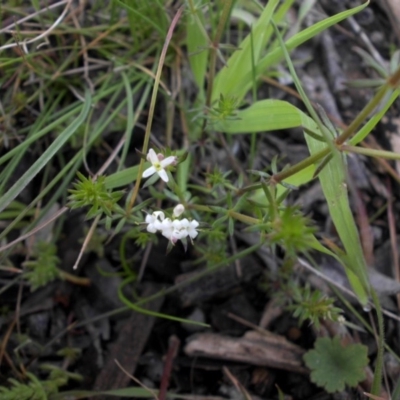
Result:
[[226, 358]]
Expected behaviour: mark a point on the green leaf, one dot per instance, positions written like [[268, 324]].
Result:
[[334, 186], [333, 365], [264, 115], [197, 42], [240, 62], [123, 178], [237, 82]]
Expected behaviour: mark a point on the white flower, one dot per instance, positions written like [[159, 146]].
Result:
[[190, 227], [154, 221], [167, 228], [192, 232], [178, 210], [173, 229], [183, 228], [159, 163]]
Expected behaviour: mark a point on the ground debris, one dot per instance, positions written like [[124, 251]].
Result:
[[254, 348]]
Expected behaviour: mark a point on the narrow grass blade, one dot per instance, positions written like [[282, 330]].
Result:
[[197, 42], [239, 84], [240, 63], [37, 166]]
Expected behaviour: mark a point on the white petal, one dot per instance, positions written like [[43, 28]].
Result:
[[194, 224], [163, 175], [158, 225], [149, 219], [166, 229], [185, 223], [179, 234], [152, 156], [166, 225], [168, 161], [151, 228], [192, 233], [148, 172], [177, 224], [192, 229], [159, 215], [167, 233]]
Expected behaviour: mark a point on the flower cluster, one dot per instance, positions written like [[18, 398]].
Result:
[[173, 229]]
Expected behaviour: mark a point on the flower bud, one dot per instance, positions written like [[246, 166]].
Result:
[[178, 210]]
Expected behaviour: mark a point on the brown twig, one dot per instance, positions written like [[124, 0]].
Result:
[[393, 238], [173, 348]]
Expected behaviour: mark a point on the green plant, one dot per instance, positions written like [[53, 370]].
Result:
[[33, 390], [93, 193], [333, 365], [312, 305], [36, 389], [43, 268], [219, 202]]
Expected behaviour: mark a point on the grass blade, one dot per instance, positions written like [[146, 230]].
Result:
[[39, 164]]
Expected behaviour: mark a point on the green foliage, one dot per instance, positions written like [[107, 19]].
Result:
[[70, 353], [226, 200], [312, 305], [46, 157], [36, 389], [333, 365], [43, 269], [93, 193], [145, 19], [292, 230], [226, 108], [33, 390]]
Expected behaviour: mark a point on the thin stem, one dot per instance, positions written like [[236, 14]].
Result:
[[392, 83], [280, 176], [363, 115], [377, 382], [243, 218], [214, 49], [390, 155], [153, 105], [213, 56]]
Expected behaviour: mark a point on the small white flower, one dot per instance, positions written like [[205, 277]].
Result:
[[154, 221], [173, 229], [184, 228], [191, 229], [178, 210], [166, 228], [159, 163]]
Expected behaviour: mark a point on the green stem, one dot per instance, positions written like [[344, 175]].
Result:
[[243, 218], [389, 155], [392, 82], [214, 49], [233, 214], [363, 115], [377, 382], [135, 307], [280, 176], [153, 105]]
